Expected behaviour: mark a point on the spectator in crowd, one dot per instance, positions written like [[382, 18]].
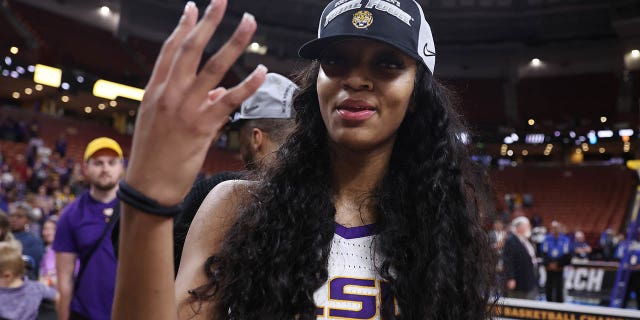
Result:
[[497, 236], [20, 298], [44, 201], [48, 263], [581, 248], [556, 253], [633, 284], [61, 145], [5, 231], [62, 198], [81, 235], [608, 244], [32, 246], [520, 264]]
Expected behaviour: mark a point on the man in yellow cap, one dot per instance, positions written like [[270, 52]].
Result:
[[81, 234]]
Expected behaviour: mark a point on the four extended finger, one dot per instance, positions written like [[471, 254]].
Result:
[[218, 65], [171, 45], [233, 97], [189, 54]]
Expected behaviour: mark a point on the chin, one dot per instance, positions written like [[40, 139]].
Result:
[[105, 186]]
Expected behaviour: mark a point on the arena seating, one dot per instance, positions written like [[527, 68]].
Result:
[[80, 132], [588, 198], [100, 52]]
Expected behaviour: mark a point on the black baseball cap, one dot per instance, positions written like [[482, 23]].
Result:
[[399, 23]]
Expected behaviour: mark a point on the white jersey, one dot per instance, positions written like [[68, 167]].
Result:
[[354, 289]]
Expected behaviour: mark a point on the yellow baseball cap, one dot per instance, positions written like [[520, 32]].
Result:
[[99, 144]]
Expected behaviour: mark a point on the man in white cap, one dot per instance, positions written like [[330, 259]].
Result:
[[263, 122]]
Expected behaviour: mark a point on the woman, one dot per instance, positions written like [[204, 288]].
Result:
[[374, 169], [48, 262]]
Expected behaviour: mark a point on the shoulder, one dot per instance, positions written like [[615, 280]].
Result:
[[215, 216], [224, 200], [72, 207]]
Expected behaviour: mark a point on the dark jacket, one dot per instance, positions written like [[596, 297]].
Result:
[[518, 264]]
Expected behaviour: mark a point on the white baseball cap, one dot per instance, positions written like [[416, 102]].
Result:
[[273, 100]]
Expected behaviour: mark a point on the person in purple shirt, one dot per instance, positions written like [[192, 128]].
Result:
[[80, 227]]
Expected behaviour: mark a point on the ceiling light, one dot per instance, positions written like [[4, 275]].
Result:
[[635, 53], [603, 119], [46, 75], [87, 109], [14, 50], [28, 91], [531, 122], [111, 90], [38, 87], [64, 98], [113, 103], [101, 106], [16, 95]]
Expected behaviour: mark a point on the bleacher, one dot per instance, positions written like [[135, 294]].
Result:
[[587, 198], [90, 49], [79, 133]]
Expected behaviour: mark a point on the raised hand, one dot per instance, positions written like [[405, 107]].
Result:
[[181, 113]]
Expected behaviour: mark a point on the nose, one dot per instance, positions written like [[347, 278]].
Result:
[[357, 78]]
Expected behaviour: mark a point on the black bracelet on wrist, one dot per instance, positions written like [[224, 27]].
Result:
[[138, 200]]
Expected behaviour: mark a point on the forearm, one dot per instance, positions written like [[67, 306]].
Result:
[[145, 286], [65, 293]]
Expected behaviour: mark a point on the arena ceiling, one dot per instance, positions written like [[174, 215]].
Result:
[[474, 38], [468, 33]]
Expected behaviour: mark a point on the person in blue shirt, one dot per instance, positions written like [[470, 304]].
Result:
[[581, 249], [608, 244], [32, 246], [633, 284], [556, 253]]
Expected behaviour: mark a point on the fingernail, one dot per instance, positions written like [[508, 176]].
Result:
[[248, 16], [188, 6], [262, 67]]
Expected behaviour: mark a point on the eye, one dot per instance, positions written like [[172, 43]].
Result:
[[390, 63], [332, 60]]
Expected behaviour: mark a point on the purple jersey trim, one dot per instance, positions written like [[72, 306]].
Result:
[[355, 232]]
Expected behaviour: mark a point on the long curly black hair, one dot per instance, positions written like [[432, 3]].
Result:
[[436, 256]]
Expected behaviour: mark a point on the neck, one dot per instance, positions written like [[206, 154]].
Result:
[[355, 176], [15, 282], [103, 196]]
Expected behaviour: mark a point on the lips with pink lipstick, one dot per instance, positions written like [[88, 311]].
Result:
[[355, 110]]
